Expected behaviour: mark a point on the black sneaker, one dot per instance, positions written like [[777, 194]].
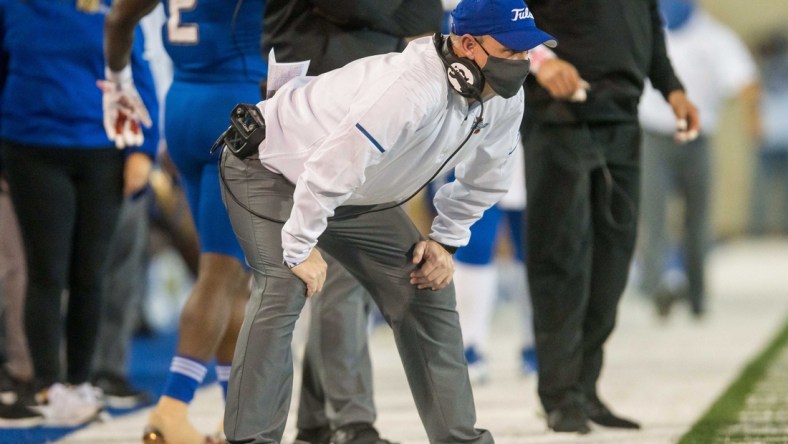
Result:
[[357, 433], [7, 387], [19, 416], [118, 393], [13, 390], [568, 418]]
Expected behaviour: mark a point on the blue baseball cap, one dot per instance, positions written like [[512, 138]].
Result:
[[510, 22]]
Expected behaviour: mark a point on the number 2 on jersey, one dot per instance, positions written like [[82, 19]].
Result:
[[181, 33]]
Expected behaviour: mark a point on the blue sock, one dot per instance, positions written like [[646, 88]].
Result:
[[223, 376], [186, 374]]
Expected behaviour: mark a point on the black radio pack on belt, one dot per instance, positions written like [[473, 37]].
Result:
[[246, 131]]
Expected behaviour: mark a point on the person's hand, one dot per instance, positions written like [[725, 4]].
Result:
[[136, 172], [312, 271], [561, 79], [437, 266], [123, 108], [687, 117]]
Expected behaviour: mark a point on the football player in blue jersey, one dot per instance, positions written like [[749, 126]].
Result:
[[215, 49]]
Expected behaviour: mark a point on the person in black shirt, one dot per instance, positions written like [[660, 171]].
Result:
[[582, 145], [333, 33]]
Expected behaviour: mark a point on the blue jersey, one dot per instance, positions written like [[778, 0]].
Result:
[[55, 55], [215, 39], [215, 50]]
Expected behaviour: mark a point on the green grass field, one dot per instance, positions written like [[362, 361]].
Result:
[[754, 409]]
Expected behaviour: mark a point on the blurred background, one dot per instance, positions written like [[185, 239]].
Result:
[[735, 152], [691, 361]]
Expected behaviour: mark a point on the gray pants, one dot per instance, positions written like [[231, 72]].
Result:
[[124, 286], [376, 249], [337, 372], [682, 170], [13, 283]]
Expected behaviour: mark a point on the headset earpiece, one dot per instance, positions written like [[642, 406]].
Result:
[[463, 74]]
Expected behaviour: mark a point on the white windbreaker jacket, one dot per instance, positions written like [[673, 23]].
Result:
[[375, 131]]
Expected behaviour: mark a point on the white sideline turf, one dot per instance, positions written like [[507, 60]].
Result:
[[664, 374]]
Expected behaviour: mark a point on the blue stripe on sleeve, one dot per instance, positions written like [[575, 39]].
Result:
[[369, 136]]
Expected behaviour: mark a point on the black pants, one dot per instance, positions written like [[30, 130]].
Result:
[[67, 201], [582, 184]]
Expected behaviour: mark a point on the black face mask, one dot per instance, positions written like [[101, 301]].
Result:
[[505, 76]]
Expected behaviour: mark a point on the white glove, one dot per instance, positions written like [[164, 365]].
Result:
[[123, 108]]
